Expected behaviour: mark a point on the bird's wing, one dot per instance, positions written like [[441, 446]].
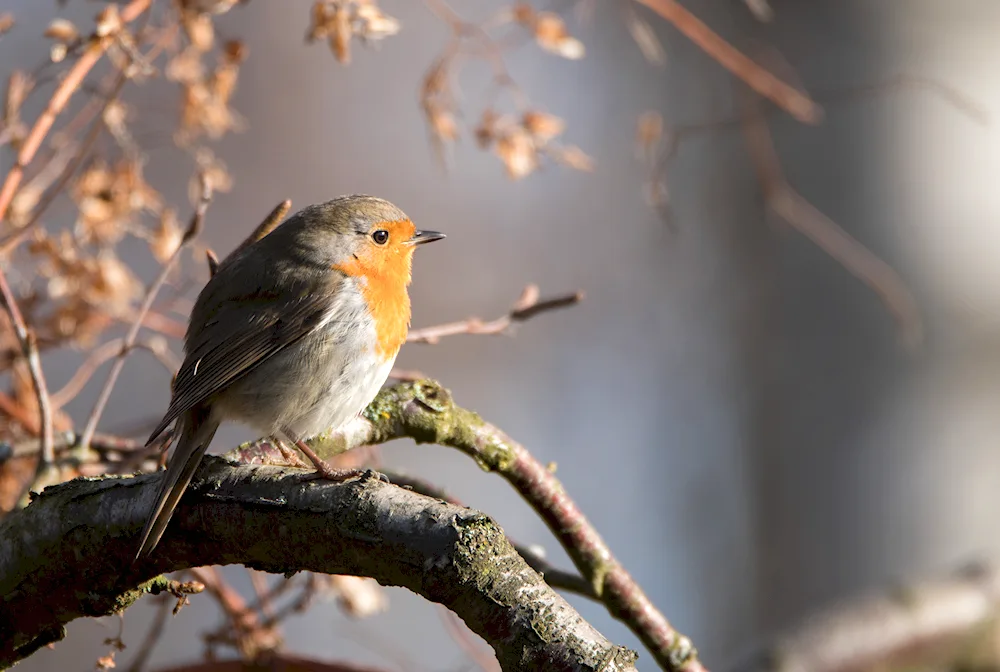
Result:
[[241, 334]]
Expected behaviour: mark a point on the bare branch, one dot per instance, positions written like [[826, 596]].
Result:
[[153, 635], [269, 224], [527, 306], [156, 345], [949, 620], [802, 215], [796, 103]]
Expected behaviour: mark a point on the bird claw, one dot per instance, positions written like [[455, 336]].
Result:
[[370, 474]]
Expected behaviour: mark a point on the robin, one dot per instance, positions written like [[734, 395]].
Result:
[[294, 335]]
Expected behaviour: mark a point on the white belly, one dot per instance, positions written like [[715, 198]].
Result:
[[314, 385], [347, 396]]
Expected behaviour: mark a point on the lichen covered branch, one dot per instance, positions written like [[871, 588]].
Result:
[[424, 411], [69, 554]]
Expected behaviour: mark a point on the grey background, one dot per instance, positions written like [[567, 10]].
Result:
[[728, 405]]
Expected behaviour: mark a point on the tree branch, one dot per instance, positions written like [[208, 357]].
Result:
[[68, 555], [942, 623], [792, 101], [528, 305], [425, 412]]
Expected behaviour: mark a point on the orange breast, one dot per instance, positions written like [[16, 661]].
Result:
[[390, 309], [384, 276]]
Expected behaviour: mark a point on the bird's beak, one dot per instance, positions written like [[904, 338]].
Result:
[[421, 237]]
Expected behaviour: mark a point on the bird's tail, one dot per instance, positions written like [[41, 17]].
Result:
[[191, 446]]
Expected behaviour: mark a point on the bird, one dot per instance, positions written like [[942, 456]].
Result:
[[294, 335]]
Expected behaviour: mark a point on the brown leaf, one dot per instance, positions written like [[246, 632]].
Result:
[[518, 153], [551, 34], [542, 126]]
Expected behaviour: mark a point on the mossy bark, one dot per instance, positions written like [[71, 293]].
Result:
[[68, 555], [425, 411]]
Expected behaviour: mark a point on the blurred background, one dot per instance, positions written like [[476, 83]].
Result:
[[730, 407]]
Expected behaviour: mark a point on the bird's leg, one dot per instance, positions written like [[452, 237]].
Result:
[[323, 468], [290, 455]]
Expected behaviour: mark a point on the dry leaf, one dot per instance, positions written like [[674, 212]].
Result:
[[543, 127], [551, 34], [517, 151], [166, 237]]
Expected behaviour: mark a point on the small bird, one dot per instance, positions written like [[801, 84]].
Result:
[[294, 335]]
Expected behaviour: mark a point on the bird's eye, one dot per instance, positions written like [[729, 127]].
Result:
[[381, 237]]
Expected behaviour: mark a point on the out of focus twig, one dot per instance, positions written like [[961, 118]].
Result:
[[460, 634], [67, 87], [802, 215], [282, 662], [269, 224], [938, 623], [796, 103], [527, 306], [153, 636], [30, 349], [193, 229], [58, 186], [156, 345]]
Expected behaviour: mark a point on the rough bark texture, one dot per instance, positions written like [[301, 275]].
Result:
[[425, 411], [69, 554]]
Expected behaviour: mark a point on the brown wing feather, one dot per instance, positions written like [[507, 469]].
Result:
[[228, 346]]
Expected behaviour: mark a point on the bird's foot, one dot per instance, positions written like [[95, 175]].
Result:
[[329, 473], [291, 457]]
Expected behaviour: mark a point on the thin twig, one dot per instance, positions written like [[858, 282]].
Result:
[[460, 634], [262, 591], [99, 355], [29, 346], [273, 593], [940, 622], [20, 415], [81, 153], [194, 228], [526, 307], [66, 440], [153, 636], [557, 578], [247, 633], [296, 606], [760, 80], [69, 85], [269, 224], [826, 234]]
